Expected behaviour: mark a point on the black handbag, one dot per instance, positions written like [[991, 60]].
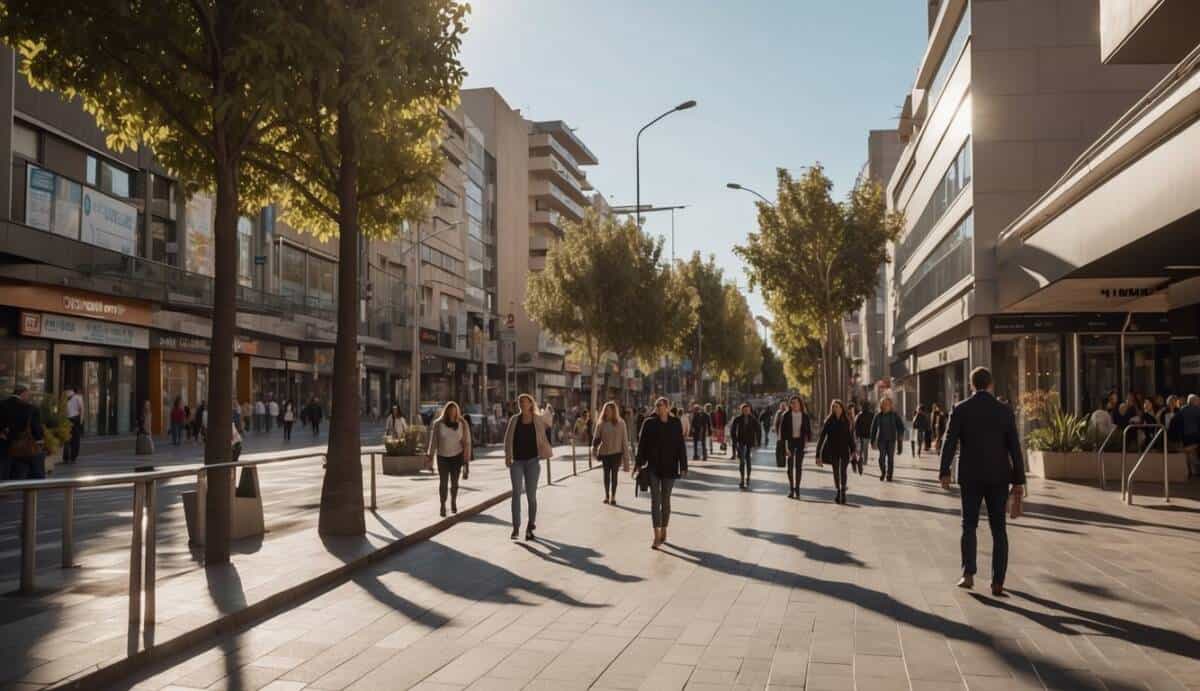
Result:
[[780, 453], [642, 482]]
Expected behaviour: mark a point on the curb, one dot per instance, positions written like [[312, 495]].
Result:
[[111, 674]]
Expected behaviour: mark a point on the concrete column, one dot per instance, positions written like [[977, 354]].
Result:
[[8, 78]]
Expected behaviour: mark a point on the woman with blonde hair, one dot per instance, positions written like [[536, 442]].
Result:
[[450, 444], [611, 446], [525, 444]]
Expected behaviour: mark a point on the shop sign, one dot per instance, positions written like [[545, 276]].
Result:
[[323, 358], [553, 379], [1189, 365], [1095, 322], [938, 358], [108, 223], [429, 337], [493, 352], [44, 298], [245, 346], [1127, 293], [193, 344], [291, 352], [62, 328], [39, 197]]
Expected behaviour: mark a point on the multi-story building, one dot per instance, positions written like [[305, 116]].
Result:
[[883, 150], [1007, 95], [106, 278], [541, 185]]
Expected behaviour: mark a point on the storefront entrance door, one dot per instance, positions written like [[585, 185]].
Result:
[[95, 379], [1098, 371]]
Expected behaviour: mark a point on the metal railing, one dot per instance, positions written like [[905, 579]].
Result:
[[143, 543], [1127, 480], [1100, 458]]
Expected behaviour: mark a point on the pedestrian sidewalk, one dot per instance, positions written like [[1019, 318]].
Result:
[[753, 591], [78, 624]]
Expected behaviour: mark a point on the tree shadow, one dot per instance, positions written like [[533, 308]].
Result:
[[579, 558], [812, 550], [886, 605], [226, 591]]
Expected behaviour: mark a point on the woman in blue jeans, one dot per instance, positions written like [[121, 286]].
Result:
[[662, 452], [525, 444]]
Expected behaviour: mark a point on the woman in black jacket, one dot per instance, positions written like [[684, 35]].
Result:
[[836, 446], [662, 452], [795, 430]]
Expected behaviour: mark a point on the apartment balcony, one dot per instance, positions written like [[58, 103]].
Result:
[[537, 262], [550, 193], [540, 144], [453, 147], [555, 170], [549, 219], [539, 243]]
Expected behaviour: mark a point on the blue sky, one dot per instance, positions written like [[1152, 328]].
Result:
[[779, 83]]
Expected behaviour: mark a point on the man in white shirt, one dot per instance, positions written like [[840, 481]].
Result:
[[260, 415], [272, 413], [75, 415]]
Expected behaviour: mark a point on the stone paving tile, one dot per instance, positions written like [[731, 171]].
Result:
[[754, 591]]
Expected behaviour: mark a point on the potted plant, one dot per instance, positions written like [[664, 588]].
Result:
[[56, 429], [404, 455]]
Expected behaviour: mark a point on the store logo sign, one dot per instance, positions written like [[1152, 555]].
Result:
[[94, 307], [1125, 293]]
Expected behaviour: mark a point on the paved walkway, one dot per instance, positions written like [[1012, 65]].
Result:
[[77, 621], [754, 591]]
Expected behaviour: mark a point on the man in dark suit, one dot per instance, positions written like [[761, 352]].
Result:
[[20, 426], [990, 463]]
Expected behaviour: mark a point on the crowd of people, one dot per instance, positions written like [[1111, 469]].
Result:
[[1140, 419], [190, 425]]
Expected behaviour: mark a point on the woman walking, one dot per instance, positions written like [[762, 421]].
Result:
[[178, 417], [920, 427], [937, 426], [611, 446], [395, 426], [288, 416], [887, 431], [836, 446], [450, 444], [524, 446], [795, 431], [745, 433], [662, 455], [719, 426]]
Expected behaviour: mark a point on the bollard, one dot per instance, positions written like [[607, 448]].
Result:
[[548, 480], [29, 542], [135, 558], [374, 503], [68, 528], [151, 551], [201, 506]]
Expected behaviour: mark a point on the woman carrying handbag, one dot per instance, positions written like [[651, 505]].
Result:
[[450, 444], [836, 446], [661, 459], [611, 446]]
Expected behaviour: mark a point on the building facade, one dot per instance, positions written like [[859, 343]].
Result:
[[1007, 96]]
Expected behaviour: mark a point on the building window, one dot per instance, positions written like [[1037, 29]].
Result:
[[68, 197], [322, 280], [291, 271], [949, 262], [245, 229], [108, 177], [950, 58], [25, 141], [163, 243], [957, 176]]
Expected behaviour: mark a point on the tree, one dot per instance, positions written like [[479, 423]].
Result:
[[709, 340], [773, 377], [189, 80], [358, 150], [816, 259]]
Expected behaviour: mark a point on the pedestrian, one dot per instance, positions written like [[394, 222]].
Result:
[[765, 420], [630, 426], [795, 430], [237, 415], [289, 419], [260, 414], [272, 412], [685, 421], [920, 427], [450, 444], [719, 426], [887, 432], [1188, 420], [701, 426], [315, 413], [75, 416], [548, 419], [836, 446], [178, 417], [745, 433], [661, 459], [937, 425], [202, 422], [990, 470], [524, 446], [189, 423], [611, 446], [395, 426], [862, 433], [235, 449], [22, 455]]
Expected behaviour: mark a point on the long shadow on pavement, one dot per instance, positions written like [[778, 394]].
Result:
[[812, 550], [886, 605], [579, 558]]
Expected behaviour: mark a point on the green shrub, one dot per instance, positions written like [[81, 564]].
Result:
[[55, 425], [1060, 432], [413, 443]]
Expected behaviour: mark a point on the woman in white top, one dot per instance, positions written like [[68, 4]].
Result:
[[450, 444], [395, 426], [611, 446], [289, 419]]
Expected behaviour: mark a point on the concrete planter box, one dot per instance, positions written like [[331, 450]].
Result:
[[247, 510], [403, 465], [1082, 465]]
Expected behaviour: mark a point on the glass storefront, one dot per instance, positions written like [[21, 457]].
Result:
[[183, 380], [23, 364]]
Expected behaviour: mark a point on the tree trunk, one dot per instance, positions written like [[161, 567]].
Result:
[[593, 396], [218, 449], [621, 378], [342, 490]]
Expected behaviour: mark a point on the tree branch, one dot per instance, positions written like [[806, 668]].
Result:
[[295, 183]]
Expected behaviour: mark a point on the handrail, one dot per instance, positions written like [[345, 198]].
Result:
[[1100, 457], [1127, 481], [144, 523]]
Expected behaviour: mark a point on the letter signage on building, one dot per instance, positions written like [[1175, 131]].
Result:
[[62, 328], [109, 223]]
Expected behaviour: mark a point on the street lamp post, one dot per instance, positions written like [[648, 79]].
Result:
[[735, 186]]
